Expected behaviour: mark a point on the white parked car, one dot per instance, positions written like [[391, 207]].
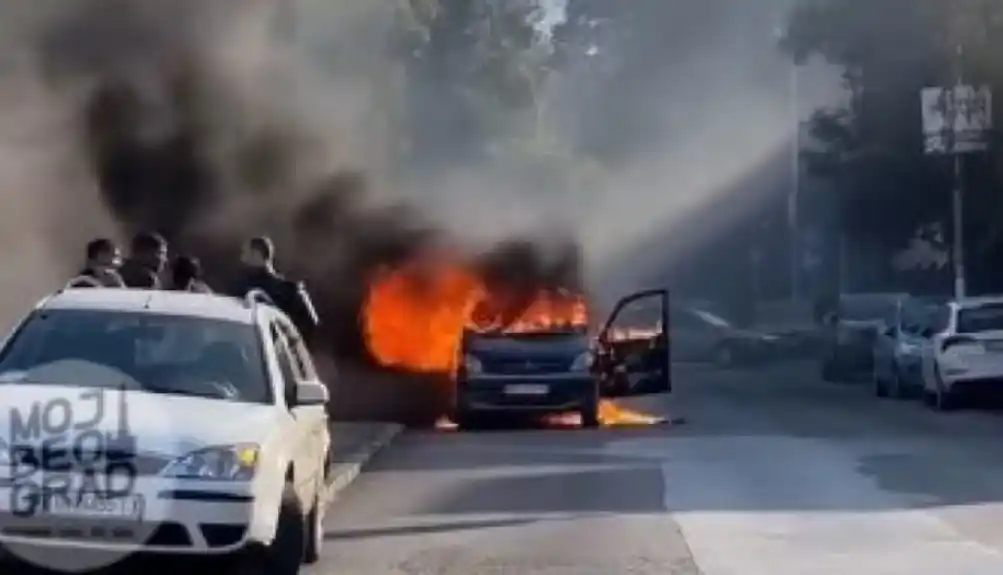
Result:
[[207, 408], [966, 351]]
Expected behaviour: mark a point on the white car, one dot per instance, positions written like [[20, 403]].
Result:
[[207, 408], [966, 351]]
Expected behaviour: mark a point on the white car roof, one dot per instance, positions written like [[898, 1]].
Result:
[[159, 302]]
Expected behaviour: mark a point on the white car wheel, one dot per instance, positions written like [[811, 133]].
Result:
[[315, 530]]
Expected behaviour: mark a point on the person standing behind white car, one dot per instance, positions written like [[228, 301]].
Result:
[[101, 268]]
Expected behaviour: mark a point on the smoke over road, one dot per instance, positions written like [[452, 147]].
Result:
[[203, 120], [200, 120]]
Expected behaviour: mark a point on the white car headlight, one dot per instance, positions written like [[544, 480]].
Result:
[[583, 362], [222, 463], [472, 365]]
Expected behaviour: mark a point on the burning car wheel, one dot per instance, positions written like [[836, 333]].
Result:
[[590, 410], [466, 420]]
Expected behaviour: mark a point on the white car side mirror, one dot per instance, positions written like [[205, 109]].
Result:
[[312, 393]]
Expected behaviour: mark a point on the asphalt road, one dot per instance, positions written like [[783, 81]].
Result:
[[775, 473]]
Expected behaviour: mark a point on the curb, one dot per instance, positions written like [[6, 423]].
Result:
[[345, 472]]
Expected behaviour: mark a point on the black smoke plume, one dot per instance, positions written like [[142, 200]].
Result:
[[184, 121]]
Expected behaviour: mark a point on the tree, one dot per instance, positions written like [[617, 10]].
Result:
[[872, 147], [472, 65]]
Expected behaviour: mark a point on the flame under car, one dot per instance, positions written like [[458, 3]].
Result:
[[561, 369]]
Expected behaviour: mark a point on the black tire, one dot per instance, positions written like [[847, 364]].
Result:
[[944, 401], [880, 386], [928, 398], [284, 556], [897, 389], [466, 421], [314, 530], [590, 410]]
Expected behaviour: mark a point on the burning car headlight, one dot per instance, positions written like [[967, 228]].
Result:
[[472, 365], [583, 362], [222, 463]]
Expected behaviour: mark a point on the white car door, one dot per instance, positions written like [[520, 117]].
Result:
[[301, 441], [312, 417]]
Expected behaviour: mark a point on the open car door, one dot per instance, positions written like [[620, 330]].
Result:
[[634, 355]]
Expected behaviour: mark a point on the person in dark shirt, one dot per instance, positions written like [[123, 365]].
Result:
[[186, 275], [258, 258], [146, 261], [100, 269]]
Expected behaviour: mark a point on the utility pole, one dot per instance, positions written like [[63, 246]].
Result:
[[793, 227], [782, 11], [958, 190], [955, 121]]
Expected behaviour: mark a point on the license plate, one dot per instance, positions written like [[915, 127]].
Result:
[[95, 505], [526, 389]]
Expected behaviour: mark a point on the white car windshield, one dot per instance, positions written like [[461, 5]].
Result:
[[155, 353], [982, 318]]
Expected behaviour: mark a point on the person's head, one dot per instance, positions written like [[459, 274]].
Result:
[[185, 270], [150, 249], [258, 252], [103, 253]]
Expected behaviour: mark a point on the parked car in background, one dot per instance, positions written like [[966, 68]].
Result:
[[703, 336], [899, 347], [965, 356], [848, 334]]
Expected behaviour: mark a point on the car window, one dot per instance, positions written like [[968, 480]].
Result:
[[711, 319], [687, 319], [982, 318], [157, 353], [298, 350], [291, 375]]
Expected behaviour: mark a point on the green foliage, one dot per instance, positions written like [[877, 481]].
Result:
[[472, 65]]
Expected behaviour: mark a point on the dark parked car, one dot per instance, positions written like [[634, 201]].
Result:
[[849, 333], [562, 370], [703, 336]]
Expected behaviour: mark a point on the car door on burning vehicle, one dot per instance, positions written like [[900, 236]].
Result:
[[634, 346]]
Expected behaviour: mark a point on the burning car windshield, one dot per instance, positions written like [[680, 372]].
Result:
[[163, 354], [980, 319], [534, 334]]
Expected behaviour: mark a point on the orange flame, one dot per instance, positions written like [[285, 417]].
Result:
[[414, 317]]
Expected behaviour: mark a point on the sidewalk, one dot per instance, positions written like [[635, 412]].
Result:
[[352, 446]]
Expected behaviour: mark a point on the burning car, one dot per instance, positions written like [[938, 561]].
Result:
[[560, 369], [508, 350]]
